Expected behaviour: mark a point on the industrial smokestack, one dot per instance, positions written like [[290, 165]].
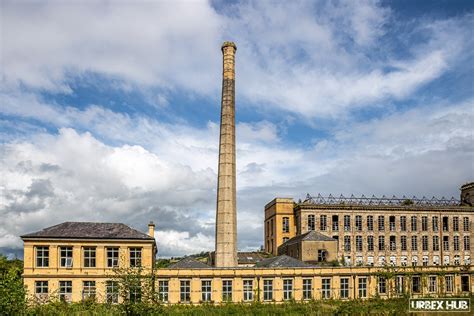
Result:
[[226, 212]]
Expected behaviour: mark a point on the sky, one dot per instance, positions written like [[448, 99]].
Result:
[[109, 110]]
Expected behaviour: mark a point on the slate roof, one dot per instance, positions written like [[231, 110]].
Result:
[[282, 261], [251, 257], [309, 236], [89, 230], [189, 263]]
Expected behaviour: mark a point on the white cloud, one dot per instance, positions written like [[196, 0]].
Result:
[[74, 176], [313, 59]]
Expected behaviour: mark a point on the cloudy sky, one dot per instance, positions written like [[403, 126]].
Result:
[[109, 110]]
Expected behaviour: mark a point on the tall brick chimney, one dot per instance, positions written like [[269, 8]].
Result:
[[226, 214]]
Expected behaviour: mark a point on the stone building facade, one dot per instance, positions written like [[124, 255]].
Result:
[[398, 232], [73, 261]]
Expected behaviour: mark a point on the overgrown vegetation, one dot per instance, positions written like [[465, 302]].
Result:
[[13, 301], [329, 307]]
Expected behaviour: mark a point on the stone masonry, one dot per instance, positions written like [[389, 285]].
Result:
[[226, 214]]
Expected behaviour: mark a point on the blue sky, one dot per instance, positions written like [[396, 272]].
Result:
[[110, 111]]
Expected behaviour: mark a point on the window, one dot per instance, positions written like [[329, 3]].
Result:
[[135, 257], [424, 242], [42, 256], [370, 260], [326, 288], [381, 243], [432, 283], [323, 222], [135, 294], [370, 243], [424, 223], [112, 257], [359, 261], [464, 283], [287, 289], [457, 260], [271, 226], [445, 223], [88, 289], [403, 223], [112, 291], [267, 290], [163, 290], [403, 243], [393, 260], [311, 222], [448, 281], [446, 260], [465, 221], [399, 284], [424, 261], [307, 289], [358, 223], [285, 239], [358, 243], [65, 290], [286, 224], [206, 290], [436, 260], [404, 261], [184, 291], [41, 289], [467, 243], [335, 223], [434, 220], [381, 223], [414, 222], [248, 290], [455, 223], [416, 284], [322, 255], [381, 261], [362, 287], [344, 288], [89, 257], [267, 228], [65, 255], [370, 223], [347, 243], [393, 243], [435, 243], [445, 243], [414, 261], [382, 285], [347, 223], [467, 260], [391, 223], [414, 243], [227, 290]]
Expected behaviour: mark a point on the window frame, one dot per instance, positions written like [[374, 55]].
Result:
[[42, 256], [89, 256]]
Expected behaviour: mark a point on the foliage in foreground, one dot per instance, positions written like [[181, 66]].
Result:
[[374, 306]]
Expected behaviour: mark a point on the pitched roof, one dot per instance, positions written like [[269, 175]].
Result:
[[309, 236], [89, 230], [251, 257], [189, 263], [282, 261]]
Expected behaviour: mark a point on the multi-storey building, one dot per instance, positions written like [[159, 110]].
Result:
[[376, 231], [76, 260]]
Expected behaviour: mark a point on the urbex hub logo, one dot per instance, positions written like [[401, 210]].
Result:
[[440, 305]]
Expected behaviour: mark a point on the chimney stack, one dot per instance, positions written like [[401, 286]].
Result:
[[226, 214], [151, 229]]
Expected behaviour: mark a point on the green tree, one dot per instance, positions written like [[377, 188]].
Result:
[[12, 290]]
